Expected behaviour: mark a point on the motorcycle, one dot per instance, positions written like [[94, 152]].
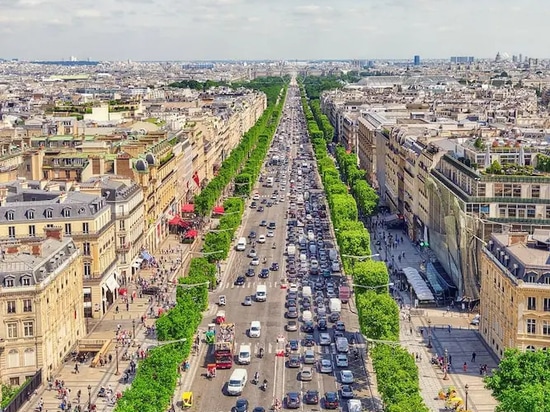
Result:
[[261, 353], [264, 385], [256, 378], [102, 392]]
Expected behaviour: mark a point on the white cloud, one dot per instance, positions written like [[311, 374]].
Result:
[[89, 13]]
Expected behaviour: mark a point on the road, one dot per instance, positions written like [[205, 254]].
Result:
[[210, 394]]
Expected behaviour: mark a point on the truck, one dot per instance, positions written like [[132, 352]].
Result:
[[344, 293], [224, 346]]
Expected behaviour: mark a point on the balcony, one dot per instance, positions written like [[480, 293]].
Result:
[[83, 235], [16, 240], [122, 248]]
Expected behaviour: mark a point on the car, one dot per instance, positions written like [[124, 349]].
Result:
[[239, 281], [258, 409], [308, 341], [274, 266], [322, 324], [260, 209], [306, 374], [324, 339], [291, 295], [250, 272], [306, 305], [326, 366], [253, 205], [340, 326], [291, 326], [256, 196], [255, 261], [346, 376], [263, 223], [311, 397], [342, 360], [247, 301], [241, 405], [252, 253], [331, 400], [252, 234], [264, 274], [271, 225], [292, 312], [308, 327], [346, 391], [321, 310], [269, 203], [293, 288], [334, 317], [292, 400], [270, 233], [261, 239], [294, 344], [294, 361]]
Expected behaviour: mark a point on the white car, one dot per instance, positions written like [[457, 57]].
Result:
[[293, 288], [255, 261], [261, 239], [256, 197], [252, 253], [326, 366], [346, 376], [270, 233], [342, 360], [324, 339]]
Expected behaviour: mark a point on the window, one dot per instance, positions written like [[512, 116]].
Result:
[[535, 191], [531, 326], [9, 282], [32, 230], [27, 305], [30, 214], [546, 303], [49, 213], [481, 189], [87, 270], [25, 281], [29, 357], [545, 327], [11, 306], [11, 232], [531, 277], [14, 381], [12, 330], [28, 328], [10, 215], [85, 227], [531, 303], [66, 212], [122, 225], [67, 228], [86, 248]]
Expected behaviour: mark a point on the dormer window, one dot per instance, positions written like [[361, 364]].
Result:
[[531, 277], [48, 213], [9, 282], [10, 215], [66, 212], [25, 280], [30, 214]]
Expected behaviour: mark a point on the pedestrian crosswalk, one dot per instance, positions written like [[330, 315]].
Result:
[[249, 284]]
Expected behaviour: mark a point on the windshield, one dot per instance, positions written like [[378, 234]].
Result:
[[234, 383]]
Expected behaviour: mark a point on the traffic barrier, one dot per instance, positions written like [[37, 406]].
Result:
[[280, 354]]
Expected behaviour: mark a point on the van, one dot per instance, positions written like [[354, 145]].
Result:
[[307, 316], [245, 354], [354, 405], [261, 293], [335, 267], [335, 305], [309, 357], [237, 382], [332, 254], [255, 329], [241, 244], [342, 345], [291, 250], [306, 292]]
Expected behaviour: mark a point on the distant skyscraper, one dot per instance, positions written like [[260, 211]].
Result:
[[462, 59], [417, 60], [520, 58]]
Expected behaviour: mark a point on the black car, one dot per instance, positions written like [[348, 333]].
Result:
[[264, 273], [309, 341], [250, 272], [258, 409], [263, 223], [290, 302], [306, 305], [292, 400], [271, 225], [308, 327], [241, 405], [294, 361], [331, 400], [274, 266], [291, 295], [292, 312], [260, 209], [340, 326], [252, 235], [322, 324], [311, 397], [239, 281], [334, 317]]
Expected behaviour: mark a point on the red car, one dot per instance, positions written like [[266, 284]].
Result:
[[331, 400]]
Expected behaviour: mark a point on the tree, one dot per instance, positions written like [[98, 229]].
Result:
[[342, 207], [379, 315], [371, 273]]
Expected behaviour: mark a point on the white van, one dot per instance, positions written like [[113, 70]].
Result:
[[307, 316], [255, 329], [245, 354], [237, 382], [291, 250], [306, 292], [241, 244], [261, 293], [342, 345], [335, 305], [354, 405]]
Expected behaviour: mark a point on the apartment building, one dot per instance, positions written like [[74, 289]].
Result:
[[515, 285], [41, 303], [29, 211]]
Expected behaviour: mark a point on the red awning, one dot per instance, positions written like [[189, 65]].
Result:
[[176, 220], [218, 210], [191, 233], [185, 224], [188, 208]]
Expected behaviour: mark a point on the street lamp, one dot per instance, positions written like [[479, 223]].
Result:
[[466, 387], [361, 257], [133, 328], [429, 333], [446, 365], [89, 397], [206, 253], [116, 359], [373, 287]]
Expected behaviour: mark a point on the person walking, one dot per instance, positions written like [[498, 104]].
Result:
[[465, 367], [473, 357]]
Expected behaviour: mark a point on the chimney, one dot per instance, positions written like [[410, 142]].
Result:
[[517, 237], [3, 195], [53, 232], [62, 197], [37, 249]]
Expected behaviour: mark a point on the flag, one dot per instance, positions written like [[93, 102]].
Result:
[[196, 178]]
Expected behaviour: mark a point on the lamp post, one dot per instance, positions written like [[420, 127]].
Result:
[[466, 387], [373, 287], [116, 359], [446, 365], [89, 397], [133, 328], [429, 333]]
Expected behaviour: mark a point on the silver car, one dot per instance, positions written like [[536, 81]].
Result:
[[306, 374], [326, 366], [324, 339]]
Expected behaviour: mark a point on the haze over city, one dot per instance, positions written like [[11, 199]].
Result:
[[258, 29]]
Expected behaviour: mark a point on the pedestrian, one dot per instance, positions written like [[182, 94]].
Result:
[[450, 359], [411, 330], [76, 368], [116, 309], [473, 357], [465, 367], [449, 328], [110, 357], [127, 306]]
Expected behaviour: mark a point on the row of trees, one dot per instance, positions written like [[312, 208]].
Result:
[[397, 373], [205, 201]]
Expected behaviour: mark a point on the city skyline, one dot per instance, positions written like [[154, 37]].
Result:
[[256, 30]]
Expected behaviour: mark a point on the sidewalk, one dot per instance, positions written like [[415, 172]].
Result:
[[106, 376], [444, 329]]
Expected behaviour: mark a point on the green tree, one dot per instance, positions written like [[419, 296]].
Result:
[[371, 273], [379, 315]]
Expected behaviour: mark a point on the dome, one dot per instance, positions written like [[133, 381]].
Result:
[[141, 165], [150, 158]]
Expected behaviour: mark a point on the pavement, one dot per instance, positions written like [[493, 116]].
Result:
[[442, 329], [107, 376]]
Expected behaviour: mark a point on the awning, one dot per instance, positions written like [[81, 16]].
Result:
[[421, 289], [176, 220], [191, 233], [188, 208], [185, 224], [112, 284], [137, 265], [146, 256], [218, 210]]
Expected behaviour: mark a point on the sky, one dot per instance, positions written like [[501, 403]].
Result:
[[275, 29]]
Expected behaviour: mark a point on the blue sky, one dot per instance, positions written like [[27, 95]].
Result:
[[276, 29]]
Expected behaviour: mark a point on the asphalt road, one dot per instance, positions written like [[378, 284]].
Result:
[[210, 394]]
